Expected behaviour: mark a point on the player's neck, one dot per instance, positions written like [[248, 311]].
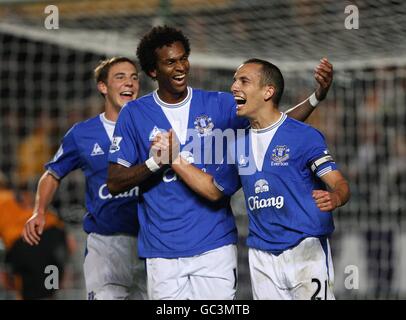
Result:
[[171, 97], [111, 113], [265, 119]]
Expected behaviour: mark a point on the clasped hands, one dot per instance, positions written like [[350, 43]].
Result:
[[165, 148]]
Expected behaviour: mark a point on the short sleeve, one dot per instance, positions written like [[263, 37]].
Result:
[[67, 158], [317, 155], [227, 179], [123, 147]]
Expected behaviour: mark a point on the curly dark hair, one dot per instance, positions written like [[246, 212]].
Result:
[[156, 38]]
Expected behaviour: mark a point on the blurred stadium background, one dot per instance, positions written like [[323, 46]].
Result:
[[46, 85]]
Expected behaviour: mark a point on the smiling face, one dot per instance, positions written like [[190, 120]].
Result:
[[249, 92], [172, 69], [121, 86]]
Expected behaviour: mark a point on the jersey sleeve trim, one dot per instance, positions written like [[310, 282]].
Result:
[[218, 186], [324, 171], [54, 174], [123, 163]]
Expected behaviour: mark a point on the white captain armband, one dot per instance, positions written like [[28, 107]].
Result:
[[316, 163]]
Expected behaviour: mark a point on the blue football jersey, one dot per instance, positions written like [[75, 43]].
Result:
[[86, 146], [279, 201], [174, 220]]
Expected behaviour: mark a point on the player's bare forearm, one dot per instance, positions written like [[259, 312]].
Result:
[[301, 111], [199, 181], [121, 179], [338, 194], [323, 74], [341, 190], [46, 189]]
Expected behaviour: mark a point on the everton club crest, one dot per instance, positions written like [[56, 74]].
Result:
[[204, 125], [280, 156]]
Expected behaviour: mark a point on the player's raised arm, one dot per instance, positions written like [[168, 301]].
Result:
[[34, 226], [338, 194], [323, 74]]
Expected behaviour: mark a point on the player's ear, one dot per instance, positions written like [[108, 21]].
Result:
[[101, 86], [269, 92], [152, 74]]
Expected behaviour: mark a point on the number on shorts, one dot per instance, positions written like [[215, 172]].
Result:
[[314, 296]]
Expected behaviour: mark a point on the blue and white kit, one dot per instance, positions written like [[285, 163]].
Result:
[[109, 219], [288, 158], [86, 146], [174, 221], [181, 233]]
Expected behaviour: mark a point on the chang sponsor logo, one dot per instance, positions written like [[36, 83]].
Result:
[[255, 203], [104, 193], [261, 186], [170, 176]]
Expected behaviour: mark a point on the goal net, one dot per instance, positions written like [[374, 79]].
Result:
[[46, 86]]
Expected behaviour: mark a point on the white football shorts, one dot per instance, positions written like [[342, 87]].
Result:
[[304, 272], [209, 276], [112, 269]]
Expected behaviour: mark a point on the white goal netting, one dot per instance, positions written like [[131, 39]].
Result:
[[46, 85]]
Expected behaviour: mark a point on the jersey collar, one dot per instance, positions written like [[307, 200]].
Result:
[[272, 126], [173, 105]]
